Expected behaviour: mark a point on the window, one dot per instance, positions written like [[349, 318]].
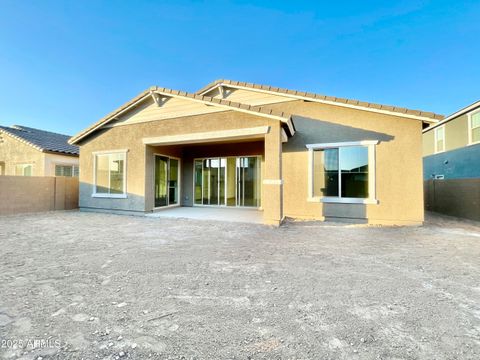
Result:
[[66, 170], [440, 139], [474, 127], [109, 172], [342, 172], [2, 167], [24, 170]]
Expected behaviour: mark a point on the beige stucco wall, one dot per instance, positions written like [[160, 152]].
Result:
[[399, 188], [140, 158], [14, 152], [37, 193]]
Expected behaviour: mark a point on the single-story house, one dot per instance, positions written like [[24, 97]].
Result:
[[25, 151], [234, 144], [451, 164]]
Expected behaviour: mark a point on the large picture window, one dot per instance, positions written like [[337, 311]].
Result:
[[342, 172], [110, 174]]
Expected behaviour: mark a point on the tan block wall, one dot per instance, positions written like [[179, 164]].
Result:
[[454, 197], [25, 194], [13, 152]]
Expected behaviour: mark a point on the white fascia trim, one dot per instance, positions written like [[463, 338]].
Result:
[[299, 97], [192, 138], [453, 116], [341, 144], [109, 151]]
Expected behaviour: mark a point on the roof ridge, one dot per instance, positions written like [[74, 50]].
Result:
[[23, 127], [321, 97], [41, 140]]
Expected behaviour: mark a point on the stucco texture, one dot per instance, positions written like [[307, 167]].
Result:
[[398, 160], [14, 152]]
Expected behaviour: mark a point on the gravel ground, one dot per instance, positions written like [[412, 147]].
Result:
[[80, 285]]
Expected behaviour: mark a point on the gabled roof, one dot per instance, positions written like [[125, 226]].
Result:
[[41, 140], [207, 100], [428, 117], [456, 114]]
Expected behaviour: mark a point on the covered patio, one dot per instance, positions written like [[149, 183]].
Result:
[[225, 214]]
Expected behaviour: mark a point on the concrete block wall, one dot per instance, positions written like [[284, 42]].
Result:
[[19, 194]]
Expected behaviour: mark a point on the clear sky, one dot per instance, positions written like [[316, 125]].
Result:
[[65, 64]]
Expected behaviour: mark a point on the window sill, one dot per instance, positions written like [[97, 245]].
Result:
[[110, 196], [336, 200]]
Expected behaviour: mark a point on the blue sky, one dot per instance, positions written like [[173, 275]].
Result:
[[65, 64]]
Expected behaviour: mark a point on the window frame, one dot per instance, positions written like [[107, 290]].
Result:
[[470, 129], [24, 165], [370, 144], [179, 174], [66, 165], [437, 151], [104, 195]]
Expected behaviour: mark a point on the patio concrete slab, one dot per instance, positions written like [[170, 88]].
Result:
[[243, 215]]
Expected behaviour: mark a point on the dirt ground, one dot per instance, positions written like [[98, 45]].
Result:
[[79, 285]]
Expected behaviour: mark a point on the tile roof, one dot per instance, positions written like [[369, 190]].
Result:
[[313, 96], [229, 105], [42, 140]]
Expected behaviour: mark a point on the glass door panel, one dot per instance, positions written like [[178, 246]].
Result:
[[173, 182], [231, 182], [248, 181], [198, 182], [206, 182], [167, 178], [214, 181], [161, 198], [221, 181]]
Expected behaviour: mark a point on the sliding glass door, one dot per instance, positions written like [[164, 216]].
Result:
[[232, 181], [248, 187], [166, 181]]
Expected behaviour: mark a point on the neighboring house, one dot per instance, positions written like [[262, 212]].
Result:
[[451, 150], [235, 144], [25, 151]]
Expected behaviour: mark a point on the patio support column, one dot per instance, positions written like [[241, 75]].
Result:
[[272, 194]]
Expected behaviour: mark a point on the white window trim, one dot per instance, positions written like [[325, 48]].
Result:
[[470, 135], [435, 139], [371, 173], [110, 196], [24, 165], [65, 164]]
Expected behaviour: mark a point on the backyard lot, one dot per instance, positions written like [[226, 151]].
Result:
[[106, 286]]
